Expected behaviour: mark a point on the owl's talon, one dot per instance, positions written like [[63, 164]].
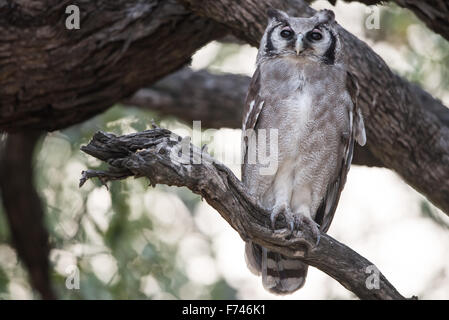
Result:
[[313, 226], [273, 217], [292, 226], [317, 240], [316, 233]]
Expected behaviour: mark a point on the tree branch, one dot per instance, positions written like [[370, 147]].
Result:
[[216, 100], [158, 155]]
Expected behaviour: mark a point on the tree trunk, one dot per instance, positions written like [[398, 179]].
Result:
[[23, 209]]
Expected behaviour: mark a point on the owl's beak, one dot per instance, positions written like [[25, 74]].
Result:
[[299, 44]]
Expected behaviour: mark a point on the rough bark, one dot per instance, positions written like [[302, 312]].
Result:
[[52, 77], [157, 154], [403, 131], [23, 209], [215, 99]]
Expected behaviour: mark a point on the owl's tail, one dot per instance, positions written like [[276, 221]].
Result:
[[280, 275]]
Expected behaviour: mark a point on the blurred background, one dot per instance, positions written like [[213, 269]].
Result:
[[137, 242]]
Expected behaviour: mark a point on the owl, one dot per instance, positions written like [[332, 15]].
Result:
[[301, 109]]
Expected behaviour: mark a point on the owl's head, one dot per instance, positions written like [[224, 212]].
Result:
[[314, 37]]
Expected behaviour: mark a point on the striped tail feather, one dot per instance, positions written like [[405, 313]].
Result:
[[280, 275]]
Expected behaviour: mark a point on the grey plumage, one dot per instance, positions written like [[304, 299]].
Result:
[[302, 90]]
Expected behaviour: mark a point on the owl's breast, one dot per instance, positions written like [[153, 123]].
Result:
[[291, 114], [309, 125]]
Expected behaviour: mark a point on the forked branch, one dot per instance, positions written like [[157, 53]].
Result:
[[165, 158]]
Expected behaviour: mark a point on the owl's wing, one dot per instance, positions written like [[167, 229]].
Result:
[[326, 211], [253, 106], [358, 130], [253, 103]]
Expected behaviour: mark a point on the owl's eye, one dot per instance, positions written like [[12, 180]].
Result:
[[314, 36], [286, 33]]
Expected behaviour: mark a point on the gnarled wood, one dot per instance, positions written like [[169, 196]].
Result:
[[157, 154]]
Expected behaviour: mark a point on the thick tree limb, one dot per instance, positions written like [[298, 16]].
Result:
[[157, 155], [52, 77], [24, 211], [403, 130], [216, 100]]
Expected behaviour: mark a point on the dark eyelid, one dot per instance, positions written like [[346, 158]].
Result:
[[283, 25]]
